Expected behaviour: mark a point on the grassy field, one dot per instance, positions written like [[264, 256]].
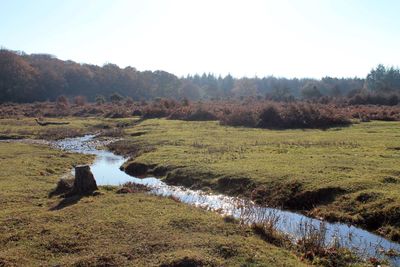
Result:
[[110, 229], [350, 174], [27, 127]]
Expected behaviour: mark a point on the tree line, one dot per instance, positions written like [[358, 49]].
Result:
[[43, 77]]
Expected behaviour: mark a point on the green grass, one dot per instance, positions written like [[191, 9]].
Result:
[[357, 166], [110, 229], [360, 162]]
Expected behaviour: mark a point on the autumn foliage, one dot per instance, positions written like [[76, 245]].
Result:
[[246, 113]]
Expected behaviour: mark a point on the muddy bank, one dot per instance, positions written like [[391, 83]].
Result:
[[293, 196], [106, 169]]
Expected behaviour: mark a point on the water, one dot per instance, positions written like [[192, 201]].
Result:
[[106, 171]]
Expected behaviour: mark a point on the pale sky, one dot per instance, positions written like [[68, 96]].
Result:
[[299, 38]]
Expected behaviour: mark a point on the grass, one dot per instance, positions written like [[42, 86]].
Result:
[[350, 174], [111, 229], [27, 127]]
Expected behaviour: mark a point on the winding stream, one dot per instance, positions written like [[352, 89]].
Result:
[[106, 171]]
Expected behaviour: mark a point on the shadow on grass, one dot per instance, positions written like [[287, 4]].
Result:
[[68, 201]]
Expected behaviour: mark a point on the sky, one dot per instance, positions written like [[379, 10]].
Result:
[[298, 38]]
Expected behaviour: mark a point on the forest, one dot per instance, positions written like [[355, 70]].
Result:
[[27, 78]]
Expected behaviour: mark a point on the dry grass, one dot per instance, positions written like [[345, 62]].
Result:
[[110, 229]]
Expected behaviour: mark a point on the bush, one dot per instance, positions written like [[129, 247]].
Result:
[[154, 111], [62, 102], [363, 98], [240, 117], [300, 115], [372, 112], [270, 118], [100, 99], [201, 115], [79, 100], [115, 97], [129, 101]]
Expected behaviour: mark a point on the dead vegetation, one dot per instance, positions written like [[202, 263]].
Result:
[[250, 112], [129, 187], [310, 243]]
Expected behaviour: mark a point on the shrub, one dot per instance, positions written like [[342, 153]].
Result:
[[185, 102], [79, 100], [201, 115], [168, 103], [129, 101], [181, 113], [364, 98], [137, 112], [62, 102], [372, 112], [300, 115], [100, 99], [270, 118], [115, 97], [154, 111], [240, 117]]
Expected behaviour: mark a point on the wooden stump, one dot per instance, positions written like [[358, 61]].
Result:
[[84, 183]]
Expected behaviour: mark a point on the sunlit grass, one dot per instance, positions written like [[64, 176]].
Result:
[[359, 159], [110, 229]]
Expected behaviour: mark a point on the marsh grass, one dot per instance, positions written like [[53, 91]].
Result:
[[266, 227], [110, 229], [309, 242], [323, 172], [358, 159], [130, 187], [312, 237], [312, 244]]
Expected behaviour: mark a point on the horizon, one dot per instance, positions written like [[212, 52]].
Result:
[[286, 39]]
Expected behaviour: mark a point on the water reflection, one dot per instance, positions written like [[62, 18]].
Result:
[[106, 171]]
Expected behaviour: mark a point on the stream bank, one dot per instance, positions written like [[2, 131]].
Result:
[[106, 169]]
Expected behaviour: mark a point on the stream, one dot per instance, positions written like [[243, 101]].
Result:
[[106, 170]]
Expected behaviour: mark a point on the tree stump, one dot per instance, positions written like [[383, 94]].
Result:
[[84, 183]]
